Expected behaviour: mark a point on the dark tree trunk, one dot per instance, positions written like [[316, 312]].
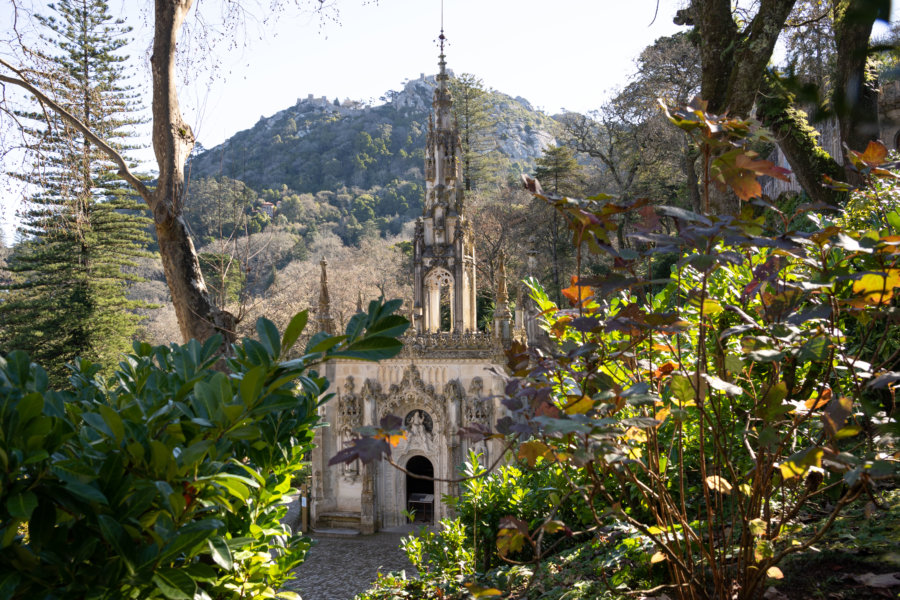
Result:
[[855, 96]]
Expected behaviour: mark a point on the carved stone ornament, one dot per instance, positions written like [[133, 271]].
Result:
[[438, 277], [412, 394]]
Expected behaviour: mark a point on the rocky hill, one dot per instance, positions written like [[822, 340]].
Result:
[[319, 144]]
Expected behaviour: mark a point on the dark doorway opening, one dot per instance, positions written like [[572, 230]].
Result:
[[420, 492]]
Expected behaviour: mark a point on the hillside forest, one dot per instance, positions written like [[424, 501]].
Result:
[[712, 403]]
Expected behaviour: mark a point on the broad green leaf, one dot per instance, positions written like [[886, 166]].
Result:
[[683, 389], [322, 342], [20, 506], [757, 527], [764, 549], [733, 364], [115, 535], [389, 326], [799, 463], [251, 385], [268, 337], [221, 553], [86, 492], [175, 584], [161, 456], [294, 329], [30, 406], [723, 386], [816, 349], [113, 421]]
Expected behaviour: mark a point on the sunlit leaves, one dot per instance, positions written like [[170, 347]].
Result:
[[718, 484], [482, 592], [800, 463], [532, 450], [577, 293], [877, 288], [512, 535]]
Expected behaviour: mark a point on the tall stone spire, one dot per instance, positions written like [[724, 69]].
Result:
[[444, 251], [502, 317], [324, 320]]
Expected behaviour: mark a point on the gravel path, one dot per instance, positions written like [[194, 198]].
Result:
[[339, 567]]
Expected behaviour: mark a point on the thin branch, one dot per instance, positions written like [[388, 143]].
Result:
[[124, 170]]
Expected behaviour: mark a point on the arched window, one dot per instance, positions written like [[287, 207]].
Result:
[[439, 298]]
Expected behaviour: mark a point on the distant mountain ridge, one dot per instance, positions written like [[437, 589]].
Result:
[[319, 144]]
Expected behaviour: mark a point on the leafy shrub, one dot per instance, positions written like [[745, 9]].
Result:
[[714, 412], [710, 415], [168, 480]]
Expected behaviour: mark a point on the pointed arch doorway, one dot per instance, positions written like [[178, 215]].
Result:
[[420, 492]]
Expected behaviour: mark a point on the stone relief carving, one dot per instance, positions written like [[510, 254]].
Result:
[[421, 432]]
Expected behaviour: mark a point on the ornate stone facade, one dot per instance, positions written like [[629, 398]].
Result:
[[442, 380]]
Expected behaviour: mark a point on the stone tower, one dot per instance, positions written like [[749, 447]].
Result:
[[444, 251]]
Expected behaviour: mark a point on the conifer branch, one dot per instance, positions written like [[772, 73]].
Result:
[[124, 171]]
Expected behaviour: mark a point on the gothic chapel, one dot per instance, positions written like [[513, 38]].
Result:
[[437, 384]]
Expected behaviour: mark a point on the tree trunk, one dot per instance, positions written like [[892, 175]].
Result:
[[797, 140], [855, 96], [689, 156], [198, 317]]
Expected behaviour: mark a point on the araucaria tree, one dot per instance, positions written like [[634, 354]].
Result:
[[68, 296], [173, 140], [481, 159]]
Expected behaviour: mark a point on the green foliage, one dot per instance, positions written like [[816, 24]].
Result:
[[168, 480], [715, 424], [712, 415], [477, 119]]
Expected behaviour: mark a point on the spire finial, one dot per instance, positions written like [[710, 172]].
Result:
[[325, 321], [502, 291]]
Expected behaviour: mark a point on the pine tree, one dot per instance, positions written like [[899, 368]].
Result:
[[482, 161], [82, 228]]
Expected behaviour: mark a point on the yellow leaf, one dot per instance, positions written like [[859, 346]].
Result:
[[719, 484], [800, 462], [876, 288], [577, 294], [817, 402], [661, 415], [532, 450], [480, 592], [657, 557], [633, 433], [578, 405], [774, 573]]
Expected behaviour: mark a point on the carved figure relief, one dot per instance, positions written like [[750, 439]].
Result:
[[421, 430]]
